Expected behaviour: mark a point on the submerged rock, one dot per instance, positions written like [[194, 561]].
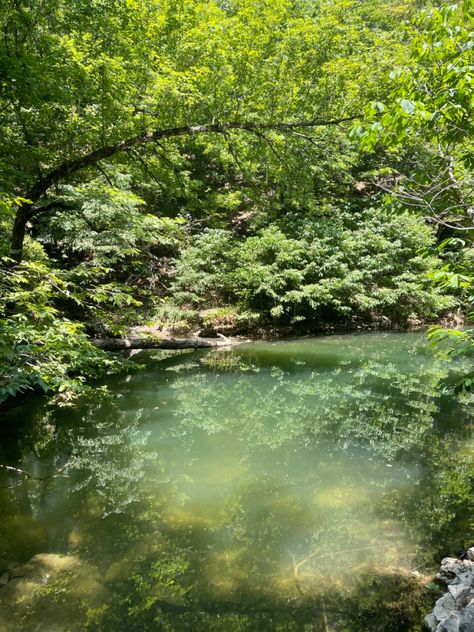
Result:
[[4, 578], [454, 611], [6, 565], [51, 592]]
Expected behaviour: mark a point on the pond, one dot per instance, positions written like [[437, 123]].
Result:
[[309, 484]]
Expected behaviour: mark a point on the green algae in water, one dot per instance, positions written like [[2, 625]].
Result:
[[275, 486]]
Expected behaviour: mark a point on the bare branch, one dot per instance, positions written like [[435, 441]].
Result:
[[27, 475]]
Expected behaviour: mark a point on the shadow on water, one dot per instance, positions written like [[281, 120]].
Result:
[[308, 485]]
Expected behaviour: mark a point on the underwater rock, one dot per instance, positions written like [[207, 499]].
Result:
[[49, 593], [4, 578], [6, 565], [454, 611]]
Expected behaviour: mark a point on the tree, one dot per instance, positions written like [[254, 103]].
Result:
[[427, 123], [79, 86], [427, 127]]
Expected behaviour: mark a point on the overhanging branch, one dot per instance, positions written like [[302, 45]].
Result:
[[70, 167], [28, 210]]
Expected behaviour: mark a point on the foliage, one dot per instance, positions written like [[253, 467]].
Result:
[[79, 75], [427, 121], [359, 266], [457, 277], [7, 215], [426, 126], [39, 347], [104, 223], [455, 343], [49, 309]]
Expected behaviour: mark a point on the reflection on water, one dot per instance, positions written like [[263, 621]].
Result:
[[276, 486]]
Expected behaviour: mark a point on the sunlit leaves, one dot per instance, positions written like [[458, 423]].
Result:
[[39, 347], [356, 266]]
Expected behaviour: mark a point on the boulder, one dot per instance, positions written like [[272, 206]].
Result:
[[454, 611]]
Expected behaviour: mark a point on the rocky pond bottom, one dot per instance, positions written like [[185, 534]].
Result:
[[310, 484]]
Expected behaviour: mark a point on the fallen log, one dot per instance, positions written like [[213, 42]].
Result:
[[118, 344]]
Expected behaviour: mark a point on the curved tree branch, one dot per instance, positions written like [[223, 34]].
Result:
[[27, 210]]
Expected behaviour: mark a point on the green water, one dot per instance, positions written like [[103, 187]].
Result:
[[306, 485]]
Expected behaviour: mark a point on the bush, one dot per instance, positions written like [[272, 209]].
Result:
[[358, 267], [39, 347]]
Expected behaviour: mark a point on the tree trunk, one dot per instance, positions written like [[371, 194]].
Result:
[[118, 344], [18, 233]]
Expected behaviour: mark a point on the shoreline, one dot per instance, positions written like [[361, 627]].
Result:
[[454, 610]]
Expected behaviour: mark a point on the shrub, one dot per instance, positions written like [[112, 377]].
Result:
[[39, 346], [361, 266]]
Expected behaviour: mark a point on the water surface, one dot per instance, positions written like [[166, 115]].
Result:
[[296, 485]]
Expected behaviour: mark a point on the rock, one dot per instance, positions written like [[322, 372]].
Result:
[[27, 597], [448, 560], [5, 578], [459, 591], [431, 622], [456, 571], [47, 564], [454, 611], [450, 625], [467, 619], [444, 607]]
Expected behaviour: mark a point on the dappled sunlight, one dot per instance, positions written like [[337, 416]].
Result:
[[342, 496], [50, 587]]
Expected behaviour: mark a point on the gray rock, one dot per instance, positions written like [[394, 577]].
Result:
[[454, 611], [450, 625], [466, 576], [431, 622], [460, 592], [444, 607], [467, 620]]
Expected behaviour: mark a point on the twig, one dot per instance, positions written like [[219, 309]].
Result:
[[295, 576], [325, 618], [29, 476], [360, 548], [296, 568]]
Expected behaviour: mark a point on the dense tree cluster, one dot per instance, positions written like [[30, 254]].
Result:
[[282, 162]]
